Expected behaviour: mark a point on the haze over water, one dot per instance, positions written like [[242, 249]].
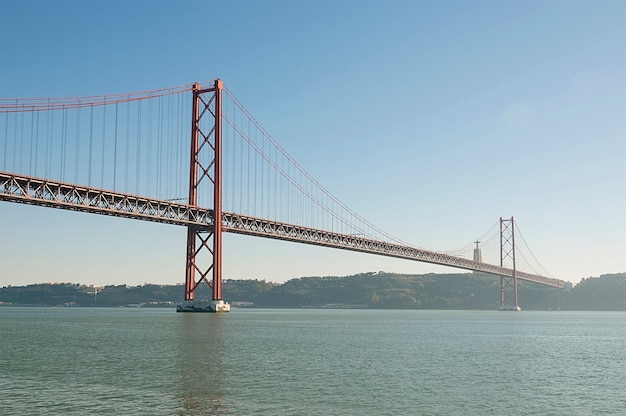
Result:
[[83, 361]]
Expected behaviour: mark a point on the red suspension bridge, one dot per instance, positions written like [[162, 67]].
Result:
[[135, 156]]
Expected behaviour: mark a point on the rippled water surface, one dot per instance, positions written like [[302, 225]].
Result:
[[82, 361]]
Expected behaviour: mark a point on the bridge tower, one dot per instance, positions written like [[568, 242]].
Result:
[[204, 243], [508, 284]]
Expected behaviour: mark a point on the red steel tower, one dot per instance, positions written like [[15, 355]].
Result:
[[204, 243], [508, 285]]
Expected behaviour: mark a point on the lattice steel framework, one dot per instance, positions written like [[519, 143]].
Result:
[[54, 194], [241, 224], [204, 245], [508, 284], [47, 193]]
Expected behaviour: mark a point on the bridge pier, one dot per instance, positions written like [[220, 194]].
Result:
[[211, 306]]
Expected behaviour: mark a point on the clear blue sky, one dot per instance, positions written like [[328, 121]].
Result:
[[431, 119]]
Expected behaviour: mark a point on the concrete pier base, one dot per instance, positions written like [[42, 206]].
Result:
[[212, 306]]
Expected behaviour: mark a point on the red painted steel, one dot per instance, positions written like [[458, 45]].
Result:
[[190, 281], [217, 195], [198, 170], [508, 284]]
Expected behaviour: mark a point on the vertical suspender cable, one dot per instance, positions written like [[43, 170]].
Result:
[[51, 144], [115, 149], [78, 140], [138, 153], [32, 132], [6, 140], [48, 145], [170, 153], [177, 149], [175, 125], [262, 180], [166, 154], [233, 146], [36, 141], [158, 149], [104, 119], [17, 155], [278, 192], [183, 146], [254, 203], [248, 206], [63, 141], [127, 147], [149, 156], [241, 174], [90, 145]]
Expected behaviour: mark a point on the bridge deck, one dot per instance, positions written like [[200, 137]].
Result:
[[43, 192]]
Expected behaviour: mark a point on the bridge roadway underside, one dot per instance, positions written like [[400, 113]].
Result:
[[44, 192]]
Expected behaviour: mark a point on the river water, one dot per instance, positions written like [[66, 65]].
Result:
[[106, 361]]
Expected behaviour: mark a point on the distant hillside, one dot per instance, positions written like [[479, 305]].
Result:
[[604, 293], [367, 290], [392, 291]]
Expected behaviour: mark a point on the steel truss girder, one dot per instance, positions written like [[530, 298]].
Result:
[[55, 194], [43, 192], [259, 227]]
